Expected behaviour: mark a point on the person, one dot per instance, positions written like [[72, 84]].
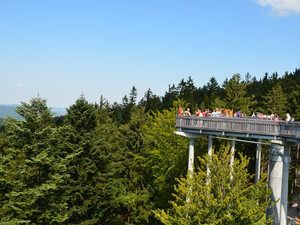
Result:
[[198, 113], [289, 118], [213, 114], [207, 113], [293, 221], [187, 112], [180, 111], [218, 113], [276, 118]]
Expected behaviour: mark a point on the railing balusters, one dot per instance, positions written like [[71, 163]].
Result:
[[239, 125]]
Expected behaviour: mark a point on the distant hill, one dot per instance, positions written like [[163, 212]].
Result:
[[9, 110], [1, 122]]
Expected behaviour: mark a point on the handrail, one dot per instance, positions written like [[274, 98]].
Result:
[[249, 125]]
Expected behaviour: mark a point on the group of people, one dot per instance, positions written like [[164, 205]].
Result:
[[205, 113], [218, 113]]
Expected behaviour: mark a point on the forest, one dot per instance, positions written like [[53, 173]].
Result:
[[121, 163]]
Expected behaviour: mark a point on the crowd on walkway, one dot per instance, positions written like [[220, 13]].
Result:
[[206, 113], [218, 113]]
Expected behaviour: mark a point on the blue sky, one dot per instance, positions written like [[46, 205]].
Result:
[[63, 48]]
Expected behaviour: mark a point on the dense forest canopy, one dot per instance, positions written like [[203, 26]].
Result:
[[121, 163], [269, 95]]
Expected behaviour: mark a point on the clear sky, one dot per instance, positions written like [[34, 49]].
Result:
[[63, 48]]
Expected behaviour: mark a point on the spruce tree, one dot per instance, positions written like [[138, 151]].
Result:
[[29, 173], [236, 95], [134, 196], [275, 101]]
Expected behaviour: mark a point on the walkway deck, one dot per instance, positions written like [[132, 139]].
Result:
[[247, 127]]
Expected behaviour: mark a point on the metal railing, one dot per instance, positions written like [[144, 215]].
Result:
[[247, 125]]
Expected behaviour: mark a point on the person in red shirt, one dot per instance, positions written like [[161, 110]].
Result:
[[199, 112], [180, 111]]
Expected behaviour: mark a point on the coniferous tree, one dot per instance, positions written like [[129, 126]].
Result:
[[293, 105], [150, 101], [170, 96], [117, 114], [167, 154], [30, 173], [227, 199], [275, 101], [236, 95], [86, 162], [134, 196], [186, 90]]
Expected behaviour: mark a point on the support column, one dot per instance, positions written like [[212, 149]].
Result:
[[257, 162], [191, 163], [191, 156], [275, 180], [210, 144], [232, 150], [285, 184]]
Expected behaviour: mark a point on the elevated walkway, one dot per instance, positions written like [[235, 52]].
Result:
[[282, 135], [245, 127]]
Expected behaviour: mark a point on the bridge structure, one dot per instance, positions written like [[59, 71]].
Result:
[[283, 136]]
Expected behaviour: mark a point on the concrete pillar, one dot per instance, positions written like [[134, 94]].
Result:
[[257, 162], [275, 180], [285, 185], [210, 144], [191, 156], [191, 163], [232, 150]]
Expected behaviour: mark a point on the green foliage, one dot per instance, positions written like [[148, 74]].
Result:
[[235, 95], [81, 115], [275, 101], [225, 200], [150, 101], [167, 154], [84, 147], [115, 163], [29, 172], [134, 197]]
